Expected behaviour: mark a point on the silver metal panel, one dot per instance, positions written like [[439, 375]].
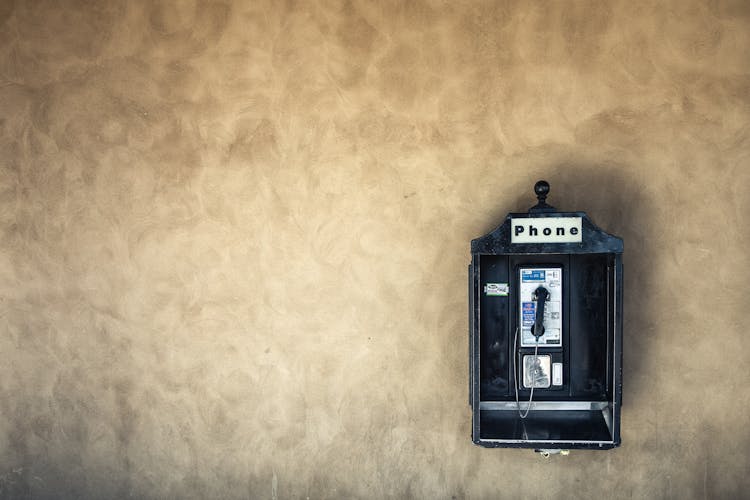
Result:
[[545, 405], [536, 371]]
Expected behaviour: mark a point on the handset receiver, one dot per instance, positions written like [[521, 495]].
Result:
[[541, 295]]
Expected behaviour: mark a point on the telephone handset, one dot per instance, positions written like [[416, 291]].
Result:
[[540, 296]]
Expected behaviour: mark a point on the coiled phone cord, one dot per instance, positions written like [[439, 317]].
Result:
[[515, 376]]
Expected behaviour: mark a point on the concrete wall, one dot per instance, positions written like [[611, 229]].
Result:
[[234, 240]]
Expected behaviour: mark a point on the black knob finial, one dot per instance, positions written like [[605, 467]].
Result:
[[541, 189]]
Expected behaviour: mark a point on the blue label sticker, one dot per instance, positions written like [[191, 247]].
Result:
[[532, 275], [529, 313]]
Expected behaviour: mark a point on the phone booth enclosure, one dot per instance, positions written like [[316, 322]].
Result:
[[555, 275]]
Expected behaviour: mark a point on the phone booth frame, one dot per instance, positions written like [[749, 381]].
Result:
[[583, 410]]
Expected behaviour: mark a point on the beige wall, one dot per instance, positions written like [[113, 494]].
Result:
[[235, 236]]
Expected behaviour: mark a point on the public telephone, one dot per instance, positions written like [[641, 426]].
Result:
[[545, 319], [540, 322]]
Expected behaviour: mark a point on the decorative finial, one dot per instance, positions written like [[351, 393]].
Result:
[[541, 188]]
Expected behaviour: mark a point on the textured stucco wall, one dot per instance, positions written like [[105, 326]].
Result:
[[234, 240]]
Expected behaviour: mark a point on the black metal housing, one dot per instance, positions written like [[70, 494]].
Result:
[[583, 412]]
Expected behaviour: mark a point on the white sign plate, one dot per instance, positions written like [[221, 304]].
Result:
[[545, 230]]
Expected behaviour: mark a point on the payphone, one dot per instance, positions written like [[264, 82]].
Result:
[[545, 320]]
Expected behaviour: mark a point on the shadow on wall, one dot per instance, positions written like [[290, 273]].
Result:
[[619, 205]]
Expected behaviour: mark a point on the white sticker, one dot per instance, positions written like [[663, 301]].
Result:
[[556, 373], [545, 230], [496, 289]]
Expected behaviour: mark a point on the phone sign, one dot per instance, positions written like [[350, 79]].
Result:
[[546, 230]]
